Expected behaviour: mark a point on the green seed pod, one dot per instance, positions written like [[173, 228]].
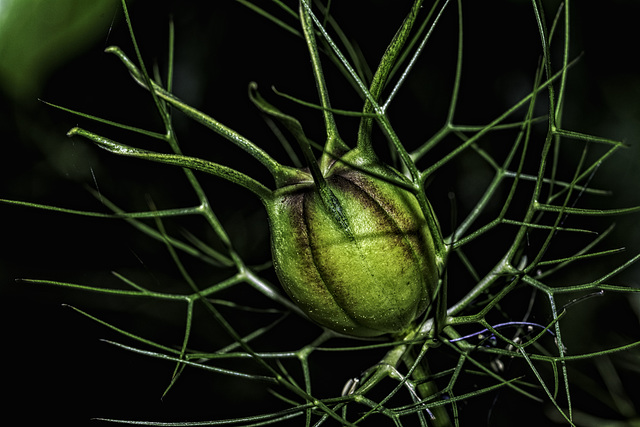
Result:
[[375, 279]]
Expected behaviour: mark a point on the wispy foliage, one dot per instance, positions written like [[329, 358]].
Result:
[[458, 352]]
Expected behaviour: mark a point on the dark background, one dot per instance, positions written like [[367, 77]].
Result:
[[57, 369]]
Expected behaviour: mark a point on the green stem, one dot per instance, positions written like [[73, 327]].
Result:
[[426, 389]]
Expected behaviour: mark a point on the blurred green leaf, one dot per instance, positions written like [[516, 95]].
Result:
[[38, 35]]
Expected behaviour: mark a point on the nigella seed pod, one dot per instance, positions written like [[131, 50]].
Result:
[[375, 279]]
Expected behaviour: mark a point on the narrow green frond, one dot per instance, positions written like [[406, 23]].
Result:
[[587, 212], [579, 257], [193, 163], [320, 107], [120, 292], [170, 358], [134, 337], [280, 23], [137, 130], [588, 138]]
